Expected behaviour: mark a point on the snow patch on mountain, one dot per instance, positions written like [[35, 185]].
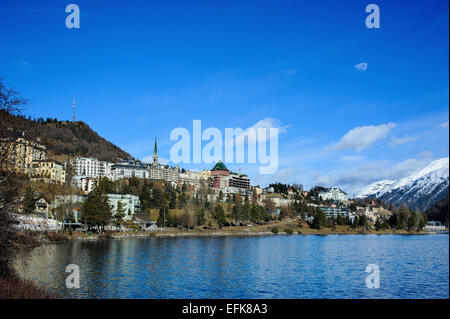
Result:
[[421, 188], [374, 189]]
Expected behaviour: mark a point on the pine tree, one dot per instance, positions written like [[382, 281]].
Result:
[[378, 224], [423, 220], [117, 218], [96, 210], [200, 217], [363, 221], [355, 222], [172, 199], [385, 224], [263, 215], [320, 219], [156, 199], [219, 215], [236, 212], [254, 214], [163, 216], [403, 214], [412, 222], [245, 212], [29, 202], [393, 221], [339, 219], [146, 195]]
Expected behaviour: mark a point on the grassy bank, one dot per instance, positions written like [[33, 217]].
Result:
[[286, 227]]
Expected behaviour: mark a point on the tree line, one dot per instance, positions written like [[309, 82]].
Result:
[[400, 219], [176, 206]]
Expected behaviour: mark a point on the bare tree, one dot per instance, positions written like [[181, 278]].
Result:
[[269, 205], [187, 219], [11, 103]]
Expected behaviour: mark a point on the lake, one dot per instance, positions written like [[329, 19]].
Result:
[[296, 266]]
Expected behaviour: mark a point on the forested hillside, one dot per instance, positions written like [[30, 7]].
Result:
[[439, 211], [62, 138]]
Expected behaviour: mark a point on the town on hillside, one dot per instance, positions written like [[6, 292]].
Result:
[[89, 195]]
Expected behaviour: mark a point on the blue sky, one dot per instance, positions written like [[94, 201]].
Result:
[[142, 68]]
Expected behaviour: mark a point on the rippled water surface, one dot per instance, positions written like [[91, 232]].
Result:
[[294, 266]]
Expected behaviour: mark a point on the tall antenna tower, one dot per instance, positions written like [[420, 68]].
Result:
[[73, 117]]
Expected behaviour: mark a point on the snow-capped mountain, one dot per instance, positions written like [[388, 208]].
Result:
[[420, 189], [374, 189]]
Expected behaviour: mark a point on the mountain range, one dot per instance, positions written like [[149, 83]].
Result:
[[420, 189]]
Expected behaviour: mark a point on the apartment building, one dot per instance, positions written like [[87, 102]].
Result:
[[130, 204], [91, 167], [334, 194], [129, 168], [331, 211], [218, 174], [50, 171], [190, 178], [21, 153], [160, 172], [229, 182]]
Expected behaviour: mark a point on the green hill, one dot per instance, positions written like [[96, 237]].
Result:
[[63, 139]]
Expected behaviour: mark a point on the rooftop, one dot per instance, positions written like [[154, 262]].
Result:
[[220, 166]]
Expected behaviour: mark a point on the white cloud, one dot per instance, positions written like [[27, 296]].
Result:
[[287, 175], [351, 158], [402, 140], [443, 125], [267, 123], [361, 137], [361, 66]]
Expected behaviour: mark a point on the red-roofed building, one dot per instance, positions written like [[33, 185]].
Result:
[[217, 172]]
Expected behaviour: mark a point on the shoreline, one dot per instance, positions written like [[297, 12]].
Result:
[[280, 228], [196, 234]]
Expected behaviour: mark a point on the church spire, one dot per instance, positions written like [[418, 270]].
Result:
[[155, 154]]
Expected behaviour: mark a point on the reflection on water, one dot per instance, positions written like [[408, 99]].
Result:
[[247, 267]]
